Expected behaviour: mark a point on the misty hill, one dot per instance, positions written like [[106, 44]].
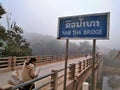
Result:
[[49, 45], [44, 44], [37, 37]]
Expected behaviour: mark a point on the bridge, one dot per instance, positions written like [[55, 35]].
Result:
[[79, 70]]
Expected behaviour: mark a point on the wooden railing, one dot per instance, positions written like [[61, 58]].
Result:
[[55, 79], [9, 63], [76, 75]]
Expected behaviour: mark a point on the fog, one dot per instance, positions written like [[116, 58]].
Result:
[[41, 16]]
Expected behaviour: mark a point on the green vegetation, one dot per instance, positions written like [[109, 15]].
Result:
[[2, 11], [16, 45], [2, 33]]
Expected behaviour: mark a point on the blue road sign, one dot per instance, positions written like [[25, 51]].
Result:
[[92, 26]]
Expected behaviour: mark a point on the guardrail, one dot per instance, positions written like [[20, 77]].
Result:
[[76, 75], [9, 63], [54, 80]]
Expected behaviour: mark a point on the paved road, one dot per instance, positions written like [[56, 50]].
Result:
[[44, 69]]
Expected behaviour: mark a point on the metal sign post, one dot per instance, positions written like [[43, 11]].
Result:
[[66, 60], [93, 65]]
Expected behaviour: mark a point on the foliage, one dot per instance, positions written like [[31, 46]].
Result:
[[1, 44], [2, 30], [2, 33], [2, 11], [16, 45]]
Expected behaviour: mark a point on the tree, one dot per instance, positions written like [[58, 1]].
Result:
[[2, 11], [2, 38], [16, 44], [2, 30], [2, 33]]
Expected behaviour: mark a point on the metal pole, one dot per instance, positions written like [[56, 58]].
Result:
[[93, 64], [66, 59]]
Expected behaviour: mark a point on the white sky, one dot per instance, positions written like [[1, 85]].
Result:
[[41, 16]]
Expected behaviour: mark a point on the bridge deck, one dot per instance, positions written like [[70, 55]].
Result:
[[4, 77]]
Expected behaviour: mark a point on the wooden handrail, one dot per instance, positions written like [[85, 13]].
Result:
[[55, 77]]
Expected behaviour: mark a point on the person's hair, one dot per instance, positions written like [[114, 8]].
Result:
[[31, 60]]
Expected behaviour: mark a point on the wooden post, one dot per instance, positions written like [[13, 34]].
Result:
[[84, 64], [91, 61], [87, 63], [72, 71], [38, 59], [55, 79], [9, 62], [80, 63], [27, 58], [14, 62]]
